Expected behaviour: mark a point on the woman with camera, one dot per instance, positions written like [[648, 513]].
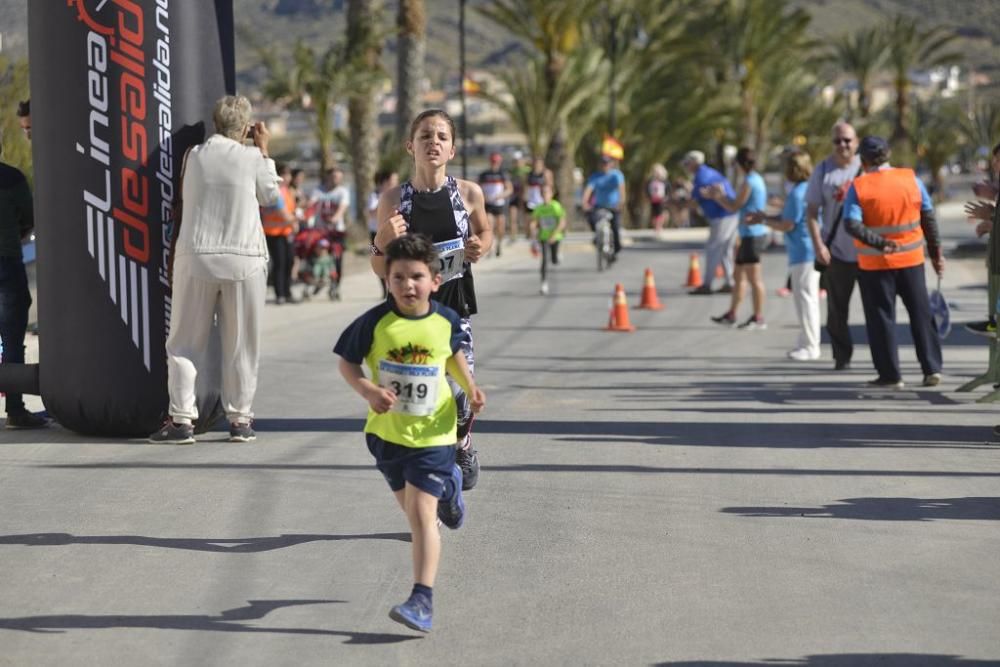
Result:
[[219, 268]]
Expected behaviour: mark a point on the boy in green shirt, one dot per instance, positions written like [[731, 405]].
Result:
[[409, 343], [548, 225]]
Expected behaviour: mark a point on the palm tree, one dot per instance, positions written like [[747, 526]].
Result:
[[310, 82], [411, 20], [910, 47], [364, 47], [937, 138], [860, 54], [981, 125], [554, 28], [751, 39]]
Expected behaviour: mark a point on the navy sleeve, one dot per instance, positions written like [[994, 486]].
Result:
[[459, 336], [356, 340]]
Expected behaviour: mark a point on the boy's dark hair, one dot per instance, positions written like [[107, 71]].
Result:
[[24, 109], [382, 175], [416, 247]]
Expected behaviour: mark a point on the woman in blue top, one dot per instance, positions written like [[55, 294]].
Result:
[[798, 243], [751, 198]]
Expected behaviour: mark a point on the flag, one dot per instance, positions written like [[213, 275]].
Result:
[[612, 148], [470, 87]]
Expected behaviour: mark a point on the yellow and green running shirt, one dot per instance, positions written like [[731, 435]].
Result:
[[408, 356], [547, 216]]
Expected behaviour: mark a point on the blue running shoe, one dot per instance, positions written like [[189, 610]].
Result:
[[451, 507], [415, 613]]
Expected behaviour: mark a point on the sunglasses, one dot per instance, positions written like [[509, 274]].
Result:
[[839, 141]]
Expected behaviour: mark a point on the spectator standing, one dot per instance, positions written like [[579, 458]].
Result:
[[834, 246], [656, 193], [753, 240], [24, 117], [722, 224], [279, 225], [889, 213], [16, 222], [801, 257], [220, 269]]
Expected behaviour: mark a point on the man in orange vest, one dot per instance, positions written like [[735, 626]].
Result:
[[890, 215], [279, 225]]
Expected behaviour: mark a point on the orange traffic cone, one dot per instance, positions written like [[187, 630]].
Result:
[[619, 311], [694, 272], [649, 300]]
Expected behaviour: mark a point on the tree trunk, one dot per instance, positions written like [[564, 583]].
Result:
[[362, 40], [560, 161], [900, 131], [412, 22]]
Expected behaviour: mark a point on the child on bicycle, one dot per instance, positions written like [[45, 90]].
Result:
[[548, 225], [408, 343]]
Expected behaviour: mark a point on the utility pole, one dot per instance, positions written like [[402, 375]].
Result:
[[461, 88]]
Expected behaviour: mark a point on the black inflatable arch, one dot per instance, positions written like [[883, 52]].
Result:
[[120, 89]]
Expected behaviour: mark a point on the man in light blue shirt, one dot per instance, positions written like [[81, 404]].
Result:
[[606, 188], [722, 224]]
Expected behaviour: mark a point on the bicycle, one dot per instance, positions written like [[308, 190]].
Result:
[[603, 237]]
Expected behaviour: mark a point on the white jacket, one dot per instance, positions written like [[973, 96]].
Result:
[[225, 184]]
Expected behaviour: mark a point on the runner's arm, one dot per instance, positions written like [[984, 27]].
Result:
[[480, 230], [390, 226], [379, 398], [458, 368]]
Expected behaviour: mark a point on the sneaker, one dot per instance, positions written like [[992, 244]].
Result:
[[704, 289], [544, 289], [241, 433], [469, 463], [451, 507], [931, 380], [725, 289], [886, 384], [784, 291], [754, 324], [985, 328], [842, 366], [726, 318], [802, 354], [415, 613], [173, 434], [25, 421]]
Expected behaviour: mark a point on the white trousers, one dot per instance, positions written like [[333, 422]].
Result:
[[238, 306], [719, 247], [805, 294]]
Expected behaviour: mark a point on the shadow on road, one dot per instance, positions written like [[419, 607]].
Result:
[[227, 621], [887, 509], [542, 468], [846, 660], [235, 546]]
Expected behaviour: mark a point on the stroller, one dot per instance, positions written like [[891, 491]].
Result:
[[320, 254]]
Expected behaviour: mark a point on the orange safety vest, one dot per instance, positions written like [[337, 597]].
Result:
[[273, 216], [890, 207]]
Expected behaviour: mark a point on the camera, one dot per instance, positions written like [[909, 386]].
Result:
[[251, 131]]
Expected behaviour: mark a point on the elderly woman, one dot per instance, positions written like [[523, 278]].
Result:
[[220, 269]]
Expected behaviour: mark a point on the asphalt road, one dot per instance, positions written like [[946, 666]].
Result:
[[682, 495]]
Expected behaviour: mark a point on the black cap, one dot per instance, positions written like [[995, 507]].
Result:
[[874, 150]]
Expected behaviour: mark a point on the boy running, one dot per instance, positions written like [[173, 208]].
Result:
[[408, 343], [548, 223]]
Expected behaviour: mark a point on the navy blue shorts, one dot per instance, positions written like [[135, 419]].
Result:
[[427, 468]]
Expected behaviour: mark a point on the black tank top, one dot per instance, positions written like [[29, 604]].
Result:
[[441, 215]]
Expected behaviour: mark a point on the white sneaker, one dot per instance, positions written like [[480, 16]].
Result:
[[802, 354], [545, 288]]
